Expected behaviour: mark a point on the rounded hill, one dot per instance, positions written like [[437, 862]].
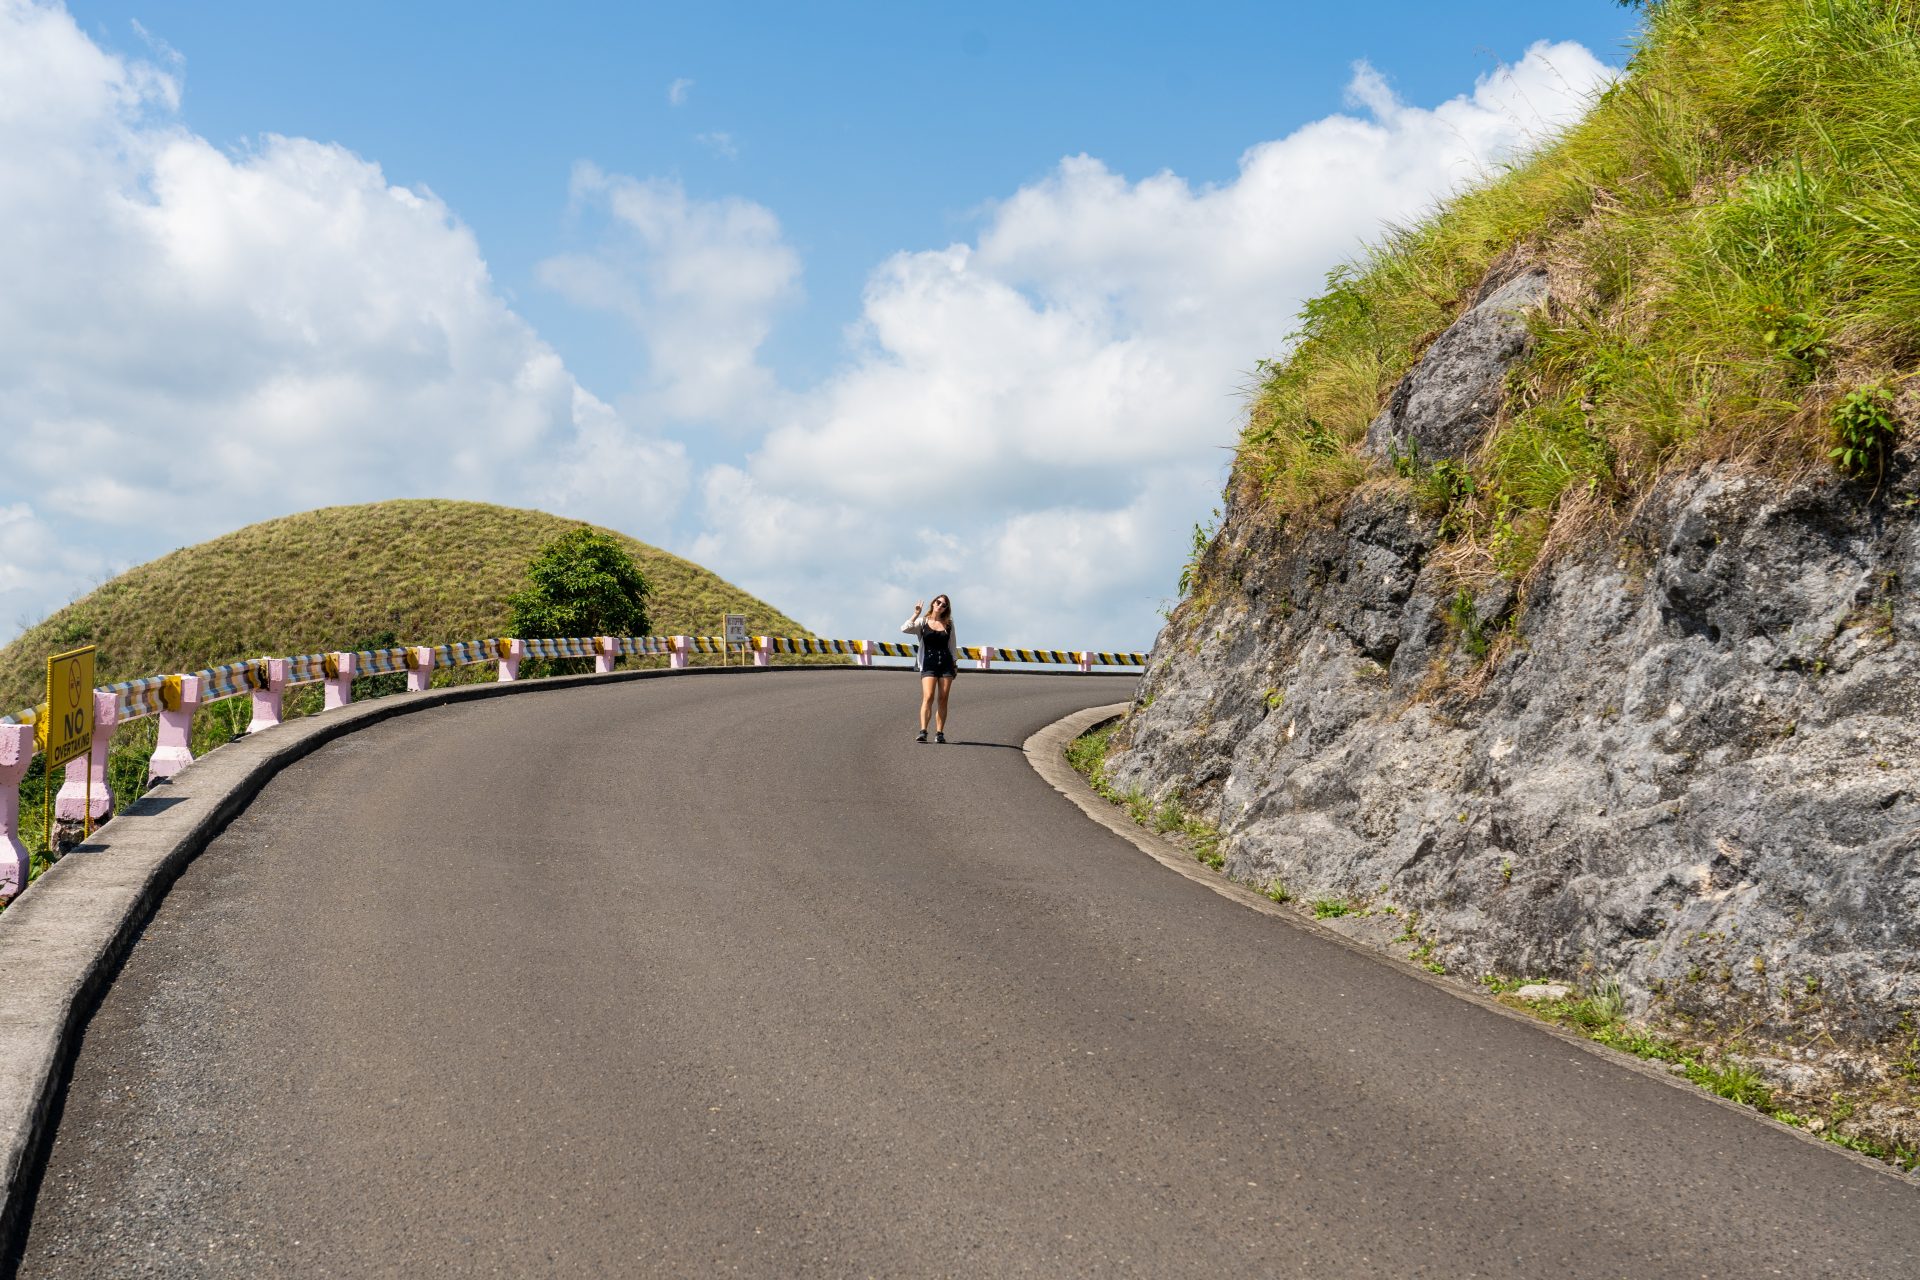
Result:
[[406, 571]]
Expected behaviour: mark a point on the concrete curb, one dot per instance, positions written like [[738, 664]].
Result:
[[1046, 751], [62, 940]]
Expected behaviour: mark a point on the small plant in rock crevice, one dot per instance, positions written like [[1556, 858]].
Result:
[[1864, 432], [1197, 551], [1465, 616]]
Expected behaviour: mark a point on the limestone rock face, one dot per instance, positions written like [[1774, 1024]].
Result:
[[1695, 767], [1443, 407]]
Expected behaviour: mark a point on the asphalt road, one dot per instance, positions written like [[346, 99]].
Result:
[[727, 976]]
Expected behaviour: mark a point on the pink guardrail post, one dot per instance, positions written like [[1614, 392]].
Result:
[[179, 699], [606, 651], [987, 654], [339, 681], [762, 651], [863, 652], [1085, 660], [266, 702], [16, 753], [419, 668], [71, 804], [511, 651], [679, 645]]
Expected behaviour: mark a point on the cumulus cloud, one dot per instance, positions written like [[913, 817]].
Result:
[[191, 339], [699, 281], [677, 92], [1053, 400]]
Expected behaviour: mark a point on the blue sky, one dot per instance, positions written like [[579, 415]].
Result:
[[735, 278]]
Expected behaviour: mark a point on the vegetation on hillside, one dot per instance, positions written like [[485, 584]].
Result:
[[339, 578], [583, 583], [1733, 240]]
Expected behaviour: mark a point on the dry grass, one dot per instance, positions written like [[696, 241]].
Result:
[[342, 577]]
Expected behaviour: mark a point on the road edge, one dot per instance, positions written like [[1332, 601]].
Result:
[[1046, 751]]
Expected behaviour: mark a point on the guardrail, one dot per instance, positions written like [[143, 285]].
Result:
[[174, 699]]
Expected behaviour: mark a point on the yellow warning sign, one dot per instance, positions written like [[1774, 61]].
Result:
[[69, 722]]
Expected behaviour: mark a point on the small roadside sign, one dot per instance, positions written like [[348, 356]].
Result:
[[735, 626], [69, 706]]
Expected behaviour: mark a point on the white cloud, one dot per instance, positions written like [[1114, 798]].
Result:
[[161, 49], [1053, 400], [699, 281], [36, 563], [191, 339], [677, 92], [720, 143]]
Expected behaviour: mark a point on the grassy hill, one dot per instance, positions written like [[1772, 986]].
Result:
[[1732, 236], [342, 577]]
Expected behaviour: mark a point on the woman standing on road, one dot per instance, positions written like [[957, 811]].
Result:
[[938, 663]]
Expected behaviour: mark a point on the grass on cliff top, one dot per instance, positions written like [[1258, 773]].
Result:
[[1733, 238], [419, 570]]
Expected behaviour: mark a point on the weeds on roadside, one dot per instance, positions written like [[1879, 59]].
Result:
[[1087, 755], [1600, 1015]]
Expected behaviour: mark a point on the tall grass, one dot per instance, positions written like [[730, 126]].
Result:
[[1734, 236]]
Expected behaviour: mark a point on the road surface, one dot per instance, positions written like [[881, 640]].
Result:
[[727, 976]]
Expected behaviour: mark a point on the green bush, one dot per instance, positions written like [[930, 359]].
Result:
[[583, 583]]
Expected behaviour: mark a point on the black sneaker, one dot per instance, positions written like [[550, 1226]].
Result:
[[920, 736], [940, 738]]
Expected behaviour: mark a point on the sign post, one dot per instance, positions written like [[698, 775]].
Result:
[[735, 625], [69, 720]]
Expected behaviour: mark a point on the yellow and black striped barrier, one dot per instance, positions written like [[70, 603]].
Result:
[[231, 680], [465, 653], [137, 699], [306, 668], [380, 662], [563, 647]]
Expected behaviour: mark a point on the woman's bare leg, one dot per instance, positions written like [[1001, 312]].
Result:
[[926, 699], [940, 718]]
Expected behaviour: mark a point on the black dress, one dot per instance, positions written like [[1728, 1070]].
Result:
[[936, 653]]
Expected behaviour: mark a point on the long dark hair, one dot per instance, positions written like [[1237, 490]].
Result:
[[945, 604]]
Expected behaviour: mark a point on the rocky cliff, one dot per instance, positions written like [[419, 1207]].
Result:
[[1683, 753]]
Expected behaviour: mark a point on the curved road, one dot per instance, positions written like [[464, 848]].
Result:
[[727, 976]]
